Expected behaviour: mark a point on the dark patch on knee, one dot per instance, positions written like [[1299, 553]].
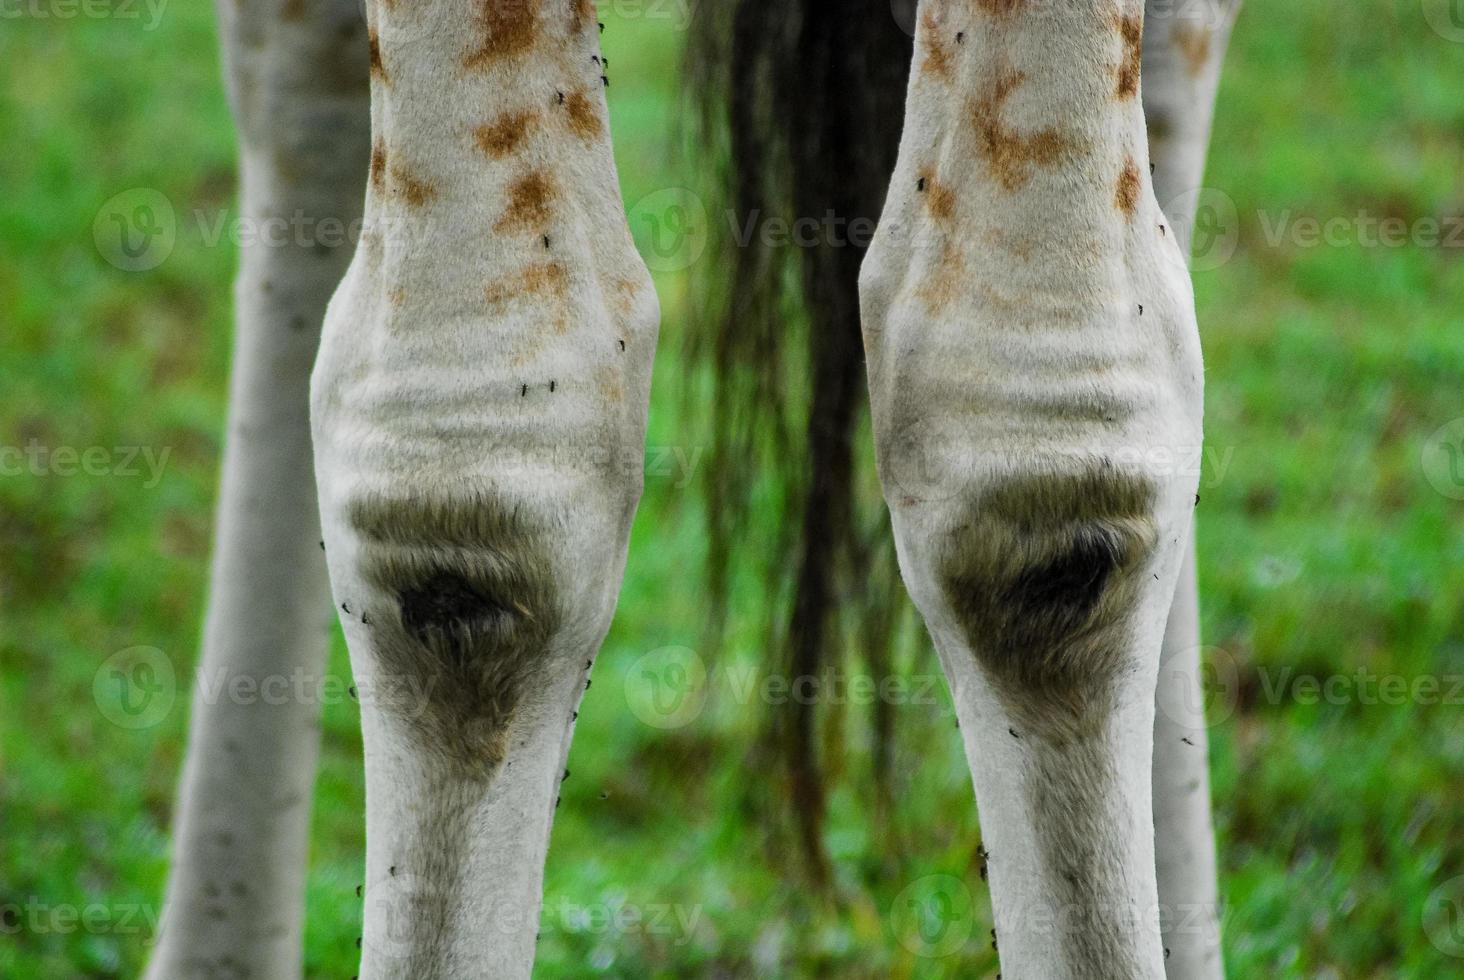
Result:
[[467, 610], [451, 611], [1043, 575]]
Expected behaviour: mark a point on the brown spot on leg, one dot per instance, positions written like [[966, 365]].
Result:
[[584, 14], [415, 192], [510, 28], [943, 282], [544, 281], [505, 134], [292, 10], [1129, 185], [937, 52], [530, 200], [1193, 42], [1131, 30], [611, 384], [1019, 245], [378, 70], [583, 117], [541, 279], [1011, 155], [378, 166], [940, 199], [625, 293]]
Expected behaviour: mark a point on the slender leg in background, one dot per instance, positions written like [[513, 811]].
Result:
[[1184, 49], [479, 411], [1033, 362], [297, 79]]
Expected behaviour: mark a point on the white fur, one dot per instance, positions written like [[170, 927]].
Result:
[[1051, 276]]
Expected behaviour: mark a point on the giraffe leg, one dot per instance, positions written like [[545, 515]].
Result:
[[1035, 373], [1184, 49], [297, 81], [479, 410]]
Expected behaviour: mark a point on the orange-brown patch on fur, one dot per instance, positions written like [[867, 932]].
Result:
[[1019, 245], [373, 44], [397, 297], [611, 384], [540, 279], [937, 51], [1194, 43], [943, 282], [583, 118], [530, 203], [1011, 155], [1131, 30], [999, 7], [510, 28], [625, 293], [412, 190], [505, 134], [378, 166], [584, 14], [1129, 185], [940, 200]]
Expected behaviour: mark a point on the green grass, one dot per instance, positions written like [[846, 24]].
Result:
[[1324, 547]]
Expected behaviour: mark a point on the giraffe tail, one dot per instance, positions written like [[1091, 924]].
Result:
[[800, 107]]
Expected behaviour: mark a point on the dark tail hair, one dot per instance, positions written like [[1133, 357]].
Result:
[[800, 104]]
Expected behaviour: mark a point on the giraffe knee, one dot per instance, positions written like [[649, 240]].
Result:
[[1043, 575], [464, 607]]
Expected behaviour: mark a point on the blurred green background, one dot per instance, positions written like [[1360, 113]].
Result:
[[1330, 532]]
